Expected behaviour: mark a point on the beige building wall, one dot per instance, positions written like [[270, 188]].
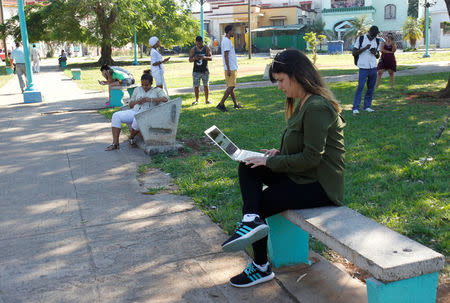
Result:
[[289, 13]]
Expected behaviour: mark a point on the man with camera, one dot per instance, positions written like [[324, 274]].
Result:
[[368, 50]]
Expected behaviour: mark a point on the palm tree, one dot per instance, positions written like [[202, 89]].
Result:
[[359, 26], [412, 31]]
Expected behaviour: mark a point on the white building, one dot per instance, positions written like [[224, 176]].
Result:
[[439, 32]]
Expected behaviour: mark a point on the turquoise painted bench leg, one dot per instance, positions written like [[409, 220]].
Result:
[[288, 244], [116, 98], [76, 75], [421, 289], [130, 91]]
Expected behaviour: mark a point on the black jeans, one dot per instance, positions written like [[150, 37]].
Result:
[[281, 194]]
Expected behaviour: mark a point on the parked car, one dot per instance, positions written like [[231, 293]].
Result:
[[2, 55]]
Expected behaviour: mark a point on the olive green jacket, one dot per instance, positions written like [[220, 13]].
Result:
[[312, 147]]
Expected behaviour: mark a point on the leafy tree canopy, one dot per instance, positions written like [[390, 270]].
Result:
[[108, 22]]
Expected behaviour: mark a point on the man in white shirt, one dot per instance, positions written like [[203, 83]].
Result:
[[35, 57], [230, 66], [368, 51], [157, 61], [19, 60]]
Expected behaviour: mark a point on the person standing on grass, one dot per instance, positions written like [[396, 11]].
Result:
[[35, 57], [157, 61], [308, 170], [230, 65], [387, 61], [19, 60], [200, 54], [368, 52]]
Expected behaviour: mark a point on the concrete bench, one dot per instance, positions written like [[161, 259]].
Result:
[[117, 94], [159, 126], [76, 73], [403, 270], [274, 52]]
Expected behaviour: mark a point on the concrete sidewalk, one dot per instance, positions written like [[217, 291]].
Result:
[[420, 69], [75, 226]]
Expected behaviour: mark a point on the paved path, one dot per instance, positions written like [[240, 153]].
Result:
[[74, 226], [420, 68]]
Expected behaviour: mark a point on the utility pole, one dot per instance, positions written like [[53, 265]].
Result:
[[249, 30], [31, 94], [427, 5], [202, 26], [3, 22], [135, 45]]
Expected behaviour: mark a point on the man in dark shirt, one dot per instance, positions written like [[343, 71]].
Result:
[[200, 54]]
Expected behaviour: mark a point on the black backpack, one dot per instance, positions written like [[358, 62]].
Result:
[[361, 39]]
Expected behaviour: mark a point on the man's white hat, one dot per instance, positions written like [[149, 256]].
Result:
[[152, 41]]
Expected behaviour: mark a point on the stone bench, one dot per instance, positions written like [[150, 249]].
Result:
[[117, 94], [76, 73], [403, 270], [159, 126], [274, 52]]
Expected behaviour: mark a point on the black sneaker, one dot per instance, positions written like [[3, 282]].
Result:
[[195, 103], [237, 106], [246, 234], [252, 276], [222, 108]]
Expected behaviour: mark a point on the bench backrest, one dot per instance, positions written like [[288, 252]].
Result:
[[160, 123]]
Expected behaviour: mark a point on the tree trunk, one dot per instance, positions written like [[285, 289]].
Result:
[[105, 24], [445, 93], [106, 55]]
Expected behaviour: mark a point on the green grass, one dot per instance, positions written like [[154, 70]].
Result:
[[4, 78], [178, 72], [384, 179]]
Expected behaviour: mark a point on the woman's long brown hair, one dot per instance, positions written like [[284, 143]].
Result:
[[297, 65]]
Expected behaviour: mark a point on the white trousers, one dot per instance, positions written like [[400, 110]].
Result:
[[124, 116], [36, 66], [158, 77]]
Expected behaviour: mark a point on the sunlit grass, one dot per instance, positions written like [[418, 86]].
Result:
[[178, 71]]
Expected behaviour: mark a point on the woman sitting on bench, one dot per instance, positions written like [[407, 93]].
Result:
[[308, 170], [115, 77], [143, 98]]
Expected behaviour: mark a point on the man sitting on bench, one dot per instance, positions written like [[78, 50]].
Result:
[[143, 98], [115, 76]]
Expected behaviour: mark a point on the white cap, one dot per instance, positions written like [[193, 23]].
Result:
[[152, 41]]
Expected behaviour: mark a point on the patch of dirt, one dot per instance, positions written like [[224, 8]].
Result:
[[429, 98], [198, 145], [349, 267]]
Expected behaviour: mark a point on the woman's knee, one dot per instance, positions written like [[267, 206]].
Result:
[[116, 120]]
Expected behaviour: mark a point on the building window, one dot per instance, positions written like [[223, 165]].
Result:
[[278, 22], [389, 11]]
